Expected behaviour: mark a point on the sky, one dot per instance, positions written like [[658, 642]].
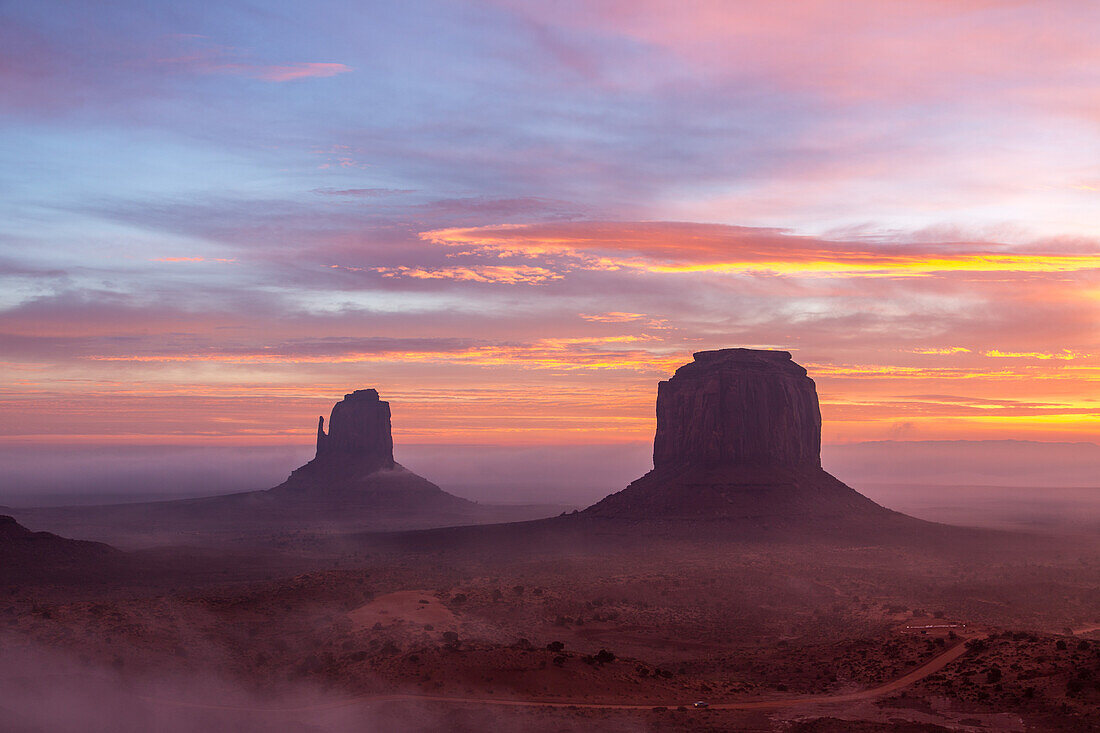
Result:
[[514, 218]]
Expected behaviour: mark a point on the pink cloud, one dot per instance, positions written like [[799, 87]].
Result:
[[292, 72], [856, 50], [213, 59], [275, 73], [196, 259]]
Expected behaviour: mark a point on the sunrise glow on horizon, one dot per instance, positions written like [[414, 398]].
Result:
[[513, 219]]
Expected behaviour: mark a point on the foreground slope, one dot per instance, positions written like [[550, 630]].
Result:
[[26, 555]]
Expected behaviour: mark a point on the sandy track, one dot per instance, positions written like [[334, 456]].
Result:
[[930, 667]]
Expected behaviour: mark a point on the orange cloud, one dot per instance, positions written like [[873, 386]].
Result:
[[1064, 354], [942, 350], [621, 317], [672, 247], [570, 354], [503, 274]]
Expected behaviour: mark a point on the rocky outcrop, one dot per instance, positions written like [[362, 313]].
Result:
[[42, 557], [739, 438], [738, 407], [359, 429]]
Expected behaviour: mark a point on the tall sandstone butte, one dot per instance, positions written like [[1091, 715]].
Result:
[[359, 430], [739, 437], [354, 468], [738, 407]]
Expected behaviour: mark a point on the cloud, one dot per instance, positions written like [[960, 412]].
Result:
[[849, 52], [941, 350], [363, 192], [619, 353], [293, 72], [499, 274], [199, 55], [195, 259], [673, 247], [215, 60], [1064, 354]]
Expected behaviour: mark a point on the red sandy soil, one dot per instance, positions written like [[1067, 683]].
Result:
[[777, 636]]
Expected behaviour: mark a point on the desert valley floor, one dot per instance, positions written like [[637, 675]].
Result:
[[629, 633]]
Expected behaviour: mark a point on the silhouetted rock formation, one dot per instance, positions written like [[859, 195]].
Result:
[[739, 437], [353, 483], [359, 429], [740, 407], [354, 468]]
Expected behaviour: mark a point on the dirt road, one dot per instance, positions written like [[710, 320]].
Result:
[[932, 666]]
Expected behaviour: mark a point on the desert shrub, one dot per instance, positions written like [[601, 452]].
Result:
[[1060, 644], [459, 598], [993, 675], [555, 646], [603, 656]]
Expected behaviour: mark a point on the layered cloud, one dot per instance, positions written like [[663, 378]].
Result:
[[515, 218], [686, 247]]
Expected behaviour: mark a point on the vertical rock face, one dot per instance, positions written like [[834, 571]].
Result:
[[738, 407], [359, 429]]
